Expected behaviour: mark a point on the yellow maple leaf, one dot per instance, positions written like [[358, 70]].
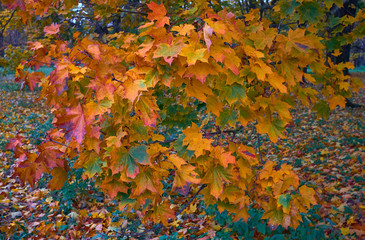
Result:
[[277, 82], [274, 128], [194, 140], [336, 100], [192, 54]]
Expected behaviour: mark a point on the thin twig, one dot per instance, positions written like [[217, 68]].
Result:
[[7, 22], [135, 12], [191, 200], [114, 79], [259, 145], [59, 143]]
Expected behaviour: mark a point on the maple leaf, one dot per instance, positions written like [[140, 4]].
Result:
[[283, 185], [93, 109], [103, 88], [132, 88], [91, 162], [267, 170], [284, 200], [130, 165], [49, 154], [200, 70], [214, 105], [194, 140], [73, 123], [116, 140], [13, 4], [168, 52], [244, 168], [158, 13], [277, 82], [162, 213], [218, 52], [224, 157], [215, 177], [140, 154], [274, 215], [59, 75], [52, 29], [112, 186], [242, 214], [145, 181], [197, 89], [32, 79], [207, 32], [177, 161], [59, 176], [282, 109], [232, 62], [298, 40], [123, 159], [252, 52], [273, 128], [183, 29], [261, 69], [17, 141], [193, 54], [322, 109], [94, 50], [146, 46], [147, 108], [336, 100], [185, 174], [92, 139], [28, 170], [307, 195]]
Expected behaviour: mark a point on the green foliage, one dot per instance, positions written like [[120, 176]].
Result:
[[256, 228], [12, 58]]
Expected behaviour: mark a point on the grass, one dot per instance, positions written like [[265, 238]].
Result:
[[46, 70]]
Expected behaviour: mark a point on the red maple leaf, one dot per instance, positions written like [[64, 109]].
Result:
[[14, 142], [73, 123]]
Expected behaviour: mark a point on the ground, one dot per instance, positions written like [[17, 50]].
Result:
[[327, 155]]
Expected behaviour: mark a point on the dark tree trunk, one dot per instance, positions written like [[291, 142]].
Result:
[[349, 9], [116, 24], [2, 45]]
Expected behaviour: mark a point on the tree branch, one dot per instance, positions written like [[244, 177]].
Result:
[[135, 12], [7, 22], [191, 200]]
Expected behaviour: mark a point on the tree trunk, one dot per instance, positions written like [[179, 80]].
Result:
[[349, 9], [2, 45]]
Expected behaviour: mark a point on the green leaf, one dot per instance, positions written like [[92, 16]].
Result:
[[227, 116], [140, 154], [168, 52], [288, 7], [322, 109], [232, 93], [284, 200], [130, 164], [92, 166], [310, 11]]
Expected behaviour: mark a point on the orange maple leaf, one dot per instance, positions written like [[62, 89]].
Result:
[[52, 29], [158, 13], [194, 140]]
